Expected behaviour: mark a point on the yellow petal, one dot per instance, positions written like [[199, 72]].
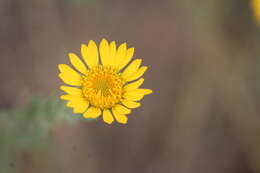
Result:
[[90, 54], [69, 76], [78, 105], [119, 117], [131, 104], [71, 90], [119, 55], [107, 116], [134, 85], [137, 94], [92, 112], [138, 74], [132, 68], [133, 96], [79, 109], [104, 52], [94, 51], [70, 104], [127, 58], [70, 97], [121, 109], [143, 91], [70, 80], [112, 51], [64, 68], [77, 63]]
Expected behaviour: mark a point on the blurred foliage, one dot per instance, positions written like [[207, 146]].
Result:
[[29, 128]]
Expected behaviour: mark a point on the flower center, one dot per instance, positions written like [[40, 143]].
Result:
[[103, 87]]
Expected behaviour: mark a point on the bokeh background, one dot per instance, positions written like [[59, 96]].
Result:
[[203, 58]]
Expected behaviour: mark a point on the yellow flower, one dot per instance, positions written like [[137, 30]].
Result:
[[256, 10], [105, 86]]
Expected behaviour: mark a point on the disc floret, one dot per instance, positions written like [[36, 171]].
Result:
[[103, 87]]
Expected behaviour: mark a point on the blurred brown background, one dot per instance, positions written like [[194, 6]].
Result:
[[203, 59]]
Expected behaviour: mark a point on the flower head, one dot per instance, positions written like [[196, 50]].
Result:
[[103, 84]]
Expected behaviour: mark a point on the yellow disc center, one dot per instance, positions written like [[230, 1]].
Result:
[[103, 87]]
